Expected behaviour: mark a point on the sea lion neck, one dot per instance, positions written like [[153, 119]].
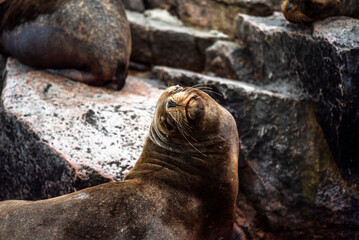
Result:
[[203, 169]]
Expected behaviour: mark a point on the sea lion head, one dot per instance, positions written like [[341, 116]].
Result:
[[186, 115], [301, 11]]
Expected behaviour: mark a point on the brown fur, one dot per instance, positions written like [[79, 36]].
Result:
[[300, 11], [85, 40], [183, 186], [16, 12]]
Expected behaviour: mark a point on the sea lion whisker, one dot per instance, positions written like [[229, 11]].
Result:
[[210, 91], [203, 84], [187, 129], [193, 145]]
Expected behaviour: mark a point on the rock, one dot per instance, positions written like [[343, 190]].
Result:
[[225, 59], [323, 60], [164, 43], [290, 186], [58, 136], [214, 14], [2, 63], [134, 5]]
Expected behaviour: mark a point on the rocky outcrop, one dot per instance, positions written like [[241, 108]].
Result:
[[57, 136], [212, 14], [323, 61], [294, 98], [319, 61], [290, 186], [159, 38]]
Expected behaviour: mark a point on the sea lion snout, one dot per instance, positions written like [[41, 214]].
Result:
[[171, 104]]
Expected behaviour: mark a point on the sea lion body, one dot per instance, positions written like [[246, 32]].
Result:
[[87, 41], [183, 186], [299, 11]]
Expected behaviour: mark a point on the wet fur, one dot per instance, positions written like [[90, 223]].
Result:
[[92, 47], [311, 10], [16, 12]]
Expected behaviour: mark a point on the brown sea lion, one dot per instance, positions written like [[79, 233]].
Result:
[[300, 11], [183, 186], [85, 40]]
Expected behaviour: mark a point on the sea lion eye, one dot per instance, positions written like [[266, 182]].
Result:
[[177, 87]]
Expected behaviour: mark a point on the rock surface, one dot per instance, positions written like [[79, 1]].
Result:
[[162, 40], [134, 5], [290, 186], [227, 59], [57, 135], [323, 61], [214, 14]]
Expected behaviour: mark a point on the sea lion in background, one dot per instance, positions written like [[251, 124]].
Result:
[[183, 186], [85, 40], [300, 11]]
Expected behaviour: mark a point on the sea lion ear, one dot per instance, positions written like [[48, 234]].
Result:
[[195, 109]]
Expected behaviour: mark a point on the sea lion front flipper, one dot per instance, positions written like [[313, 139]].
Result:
[[77, 75]]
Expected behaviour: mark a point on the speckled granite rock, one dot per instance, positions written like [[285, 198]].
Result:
[[323, 60], [165, 41], [57, 135], [290, 186]]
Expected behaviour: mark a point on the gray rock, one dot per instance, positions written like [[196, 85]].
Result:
[[134, 5], [290, 186], [214, 14], [226, 59], [323, 60], [58, 136], [162, 43]]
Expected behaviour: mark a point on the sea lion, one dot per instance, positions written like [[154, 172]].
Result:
[[300, 11], [183, 186], [85, 40]]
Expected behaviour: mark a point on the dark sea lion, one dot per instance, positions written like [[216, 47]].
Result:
[[85, 40], [300, 11], [183, 186]]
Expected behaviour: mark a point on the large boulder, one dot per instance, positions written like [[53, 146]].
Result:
[[290, 186], [323, 60], [161, 39], [58, 136]]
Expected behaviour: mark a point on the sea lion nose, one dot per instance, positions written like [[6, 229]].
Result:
[[288, 7], [171, 104]]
